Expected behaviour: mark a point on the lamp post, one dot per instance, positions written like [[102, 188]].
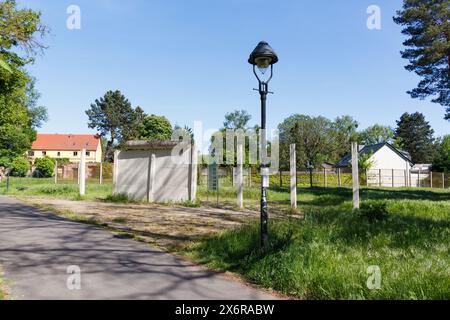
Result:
[[263, 58]]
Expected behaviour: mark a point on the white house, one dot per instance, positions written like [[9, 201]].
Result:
[[391, 167]]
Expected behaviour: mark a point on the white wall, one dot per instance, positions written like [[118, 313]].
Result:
[[171, 180], [386, 158]]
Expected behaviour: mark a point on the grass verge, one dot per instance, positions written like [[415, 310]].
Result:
[[328, 255]]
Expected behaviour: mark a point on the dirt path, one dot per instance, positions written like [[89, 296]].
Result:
[[168, 227]]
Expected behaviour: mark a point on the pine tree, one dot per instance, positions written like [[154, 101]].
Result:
[[416, 137], [427, 25]]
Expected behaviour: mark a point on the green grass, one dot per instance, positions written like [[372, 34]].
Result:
[[63, 190], [406, 232]]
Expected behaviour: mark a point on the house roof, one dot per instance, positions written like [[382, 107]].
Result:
[[372, 149], [66, 142]]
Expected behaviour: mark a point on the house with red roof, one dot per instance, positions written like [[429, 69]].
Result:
[[67, 146]]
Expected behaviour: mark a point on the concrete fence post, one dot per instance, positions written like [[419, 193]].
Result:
[[339, 178], [101, 173], [367, 178], [393, 178], [240, 177], [355, 175], [194, 169], [293, 165], [115, 171], [56, 171], [151, 178], [431, 179], [82, 173], [418, 178]]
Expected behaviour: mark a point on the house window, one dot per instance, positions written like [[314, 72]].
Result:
[[44, 153], [88, 154], [59, 154], [31, 153], [75, 153]]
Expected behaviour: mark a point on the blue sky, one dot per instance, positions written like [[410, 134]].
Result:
[[187, 60]]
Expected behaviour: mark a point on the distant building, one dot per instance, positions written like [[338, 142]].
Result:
[[383, 156], [67, 146], [391, 167]]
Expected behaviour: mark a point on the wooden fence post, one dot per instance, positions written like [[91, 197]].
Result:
[[355, 175], [443, 180], [380, 178], [325, 182], [293, 158]]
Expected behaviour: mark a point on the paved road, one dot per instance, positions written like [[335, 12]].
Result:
[[37, 247]]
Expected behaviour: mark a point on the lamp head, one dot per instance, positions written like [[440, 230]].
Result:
[[263, 56]]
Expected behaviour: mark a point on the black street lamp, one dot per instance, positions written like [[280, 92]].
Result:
[[263, 58]]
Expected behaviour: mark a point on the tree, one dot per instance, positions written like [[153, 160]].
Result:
[[156, 128], [416, 137], [427, 25], [20, 167], [19, 114], [237, 119], [312, 136], [441, 161], [45, 167], [377, 134], [113, 116], [343, 133]]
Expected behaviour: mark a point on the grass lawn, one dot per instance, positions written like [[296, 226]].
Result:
[[406, 233], [63, 190]]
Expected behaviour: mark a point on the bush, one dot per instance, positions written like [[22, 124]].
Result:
[[374, 210], [45, 167], [19, 167]]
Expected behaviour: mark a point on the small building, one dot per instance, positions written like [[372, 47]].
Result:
[[390, 166], [156, 171], [67, 146]]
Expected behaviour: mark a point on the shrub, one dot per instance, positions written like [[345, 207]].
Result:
[[120, 198], [20, 167], [374, 210], [44, 167]]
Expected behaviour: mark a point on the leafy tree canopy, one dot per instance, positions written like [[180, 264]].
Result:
[[441, 161], [19, 114], [237, 119], [156, 128], [376, 134]]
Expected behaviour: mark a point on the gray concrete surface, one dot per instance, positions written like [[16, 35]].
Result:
[[36, 248]]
